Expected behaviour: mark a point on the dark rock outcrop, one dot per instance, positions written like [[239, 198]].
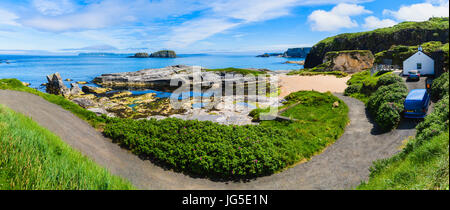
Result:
[[297, 52], [164, 54], [56, 85], [406, 33], [140, 55]]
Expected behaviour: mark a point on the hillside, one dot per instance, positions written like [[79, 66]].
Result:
[[405, 33]]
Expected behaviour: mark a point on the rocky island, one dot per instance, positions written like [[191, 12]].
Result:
[[159, 54]]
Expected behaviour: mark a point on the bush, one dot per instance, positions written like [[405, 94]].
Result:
[[213, 150], [388, 79], [387, 100], [388, 115], [352, 89], [440, 87]]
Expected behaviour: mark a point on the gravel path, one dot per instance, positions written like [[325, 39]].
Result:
[[341, 166]]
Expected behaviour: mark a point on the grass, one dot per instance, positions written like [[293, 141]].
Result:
[[426, 167], [238, 70], [32, 158], [92, 118]]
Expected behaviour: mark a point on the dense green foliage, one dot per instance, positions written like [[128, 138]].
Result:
[[32, 158], [439, 87], [405, 33], [238, 70], [386, 104], [361, 85], [423, 163], [399, 53], [214, 150], [14, 84]]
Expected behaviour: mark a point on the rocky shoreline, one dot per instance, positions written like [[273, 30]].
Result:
[[114, 96]]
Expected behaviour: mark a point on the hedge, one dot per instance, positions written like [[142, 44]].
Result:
[[386, 104]]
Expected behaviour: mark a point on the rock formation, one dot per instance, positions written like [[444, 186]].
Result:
[[297, 52], [56, 85], [140, 55], [164, 54], [349, 61]]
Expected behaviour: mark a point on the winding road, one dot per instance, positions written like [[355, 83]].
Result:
[[342, 165]]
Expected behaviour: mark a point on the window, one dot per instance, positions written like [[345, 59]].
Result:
[[419, 66]]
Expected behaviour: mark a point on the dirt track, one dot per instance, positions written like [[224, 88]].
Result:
[[342, 166]]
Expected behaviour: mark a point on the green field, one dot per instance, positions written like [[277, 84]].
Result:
[[33, 158]]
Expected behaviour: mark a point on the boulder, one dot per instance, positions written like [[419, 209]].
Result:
[[56, 85], [26, 84], [75, 89], [336, 104], [84, 102], [95, 90], [82, 82]]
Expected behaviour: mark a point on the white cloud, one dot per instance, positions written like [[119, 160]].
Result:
[[54, 7], [421, 11], [373, 22], [8, 18], [339, 17], [192, 31]]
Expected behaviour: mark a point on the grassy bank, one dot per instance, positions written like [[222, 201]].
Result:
[[92, 118], [214, 150], [32, 158]]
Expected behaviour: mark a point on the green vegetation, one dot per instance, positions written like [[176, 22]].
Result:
[[423, 163], [439, 87], [214, 150], [386, 103], [361, 85], [399, 53], [238, 70], [32, 158], [318, 70], [92, 118], [406, 33]]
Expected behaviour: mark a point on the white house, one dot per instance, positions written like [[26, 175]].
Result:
[[419, 61]]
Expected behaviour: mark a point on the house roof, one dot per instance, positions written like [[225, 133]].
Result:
[[420, 53]]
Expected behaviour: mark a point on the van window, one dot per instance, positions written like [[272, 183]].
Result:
[[419, 65]]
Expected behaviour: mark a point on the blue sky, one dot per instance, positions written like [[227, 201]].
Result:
[[194, 26]]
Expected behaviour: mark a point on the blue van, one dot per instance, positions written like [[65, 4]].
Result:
[[417, 103]]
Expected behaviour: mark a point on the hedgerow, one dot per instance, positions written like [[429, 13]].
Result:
[[386, 103], [213, 150]]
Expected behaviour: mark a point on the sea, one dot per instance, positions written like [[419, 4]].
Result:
[[33, 69]]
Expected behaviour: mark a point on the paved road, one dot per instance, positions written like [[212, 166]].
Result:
[[342, 166]]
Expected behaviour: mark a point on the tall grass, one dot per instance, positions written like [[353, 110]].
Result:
[[32, 158]]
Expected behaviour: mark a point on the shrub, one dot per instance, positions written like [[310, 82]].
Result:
[[387, 79], [440, 87], [213, 150], [352, 89], [388, 115], [387, 100]]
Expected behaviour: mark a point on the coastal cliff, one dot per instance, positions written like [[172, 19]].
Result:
[[297, 52], [406, 33], [349, 61]]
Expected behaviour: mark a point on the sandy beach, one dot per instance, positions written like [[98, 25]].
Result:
[[320, 83]]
